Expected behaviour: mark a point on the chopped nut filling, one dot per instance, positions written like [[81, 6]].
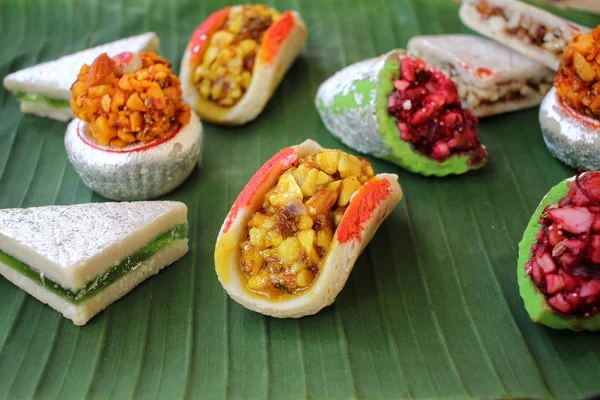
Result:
[[578, 78], [288, 237], [225, 72], [131, 98], [501, 92], [524, 27]]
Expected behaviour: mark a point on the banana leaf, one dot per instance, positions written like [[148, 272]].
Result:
[[431, 310]]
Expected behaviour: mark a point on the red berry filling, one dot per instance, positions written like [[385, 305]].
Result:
[[565, 264], [429, 114]]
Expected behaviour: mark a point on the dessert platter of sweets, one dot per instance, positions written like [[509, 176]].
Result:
[[381, 195]]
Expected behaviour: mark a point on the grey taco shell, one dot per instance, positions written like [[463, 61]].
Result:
[[347, 105]]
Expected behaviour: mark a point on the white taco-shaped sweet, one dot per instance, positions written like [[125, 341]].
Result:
[[401, 109], [295, 231], [570, 113], [45, 89], [533, 32], [491, 78], [133, 138], [235, 60], [79, 259]]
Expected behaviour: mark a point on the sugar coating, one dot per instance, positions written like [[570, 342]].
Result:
[[355, 121]]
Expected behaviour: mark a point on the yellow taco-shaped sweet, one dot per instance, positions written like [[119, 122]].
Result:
[[295, 231], [235, 60]]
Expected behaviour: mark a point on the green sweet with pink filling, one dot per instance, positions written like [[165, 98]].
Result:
[[559, 256]]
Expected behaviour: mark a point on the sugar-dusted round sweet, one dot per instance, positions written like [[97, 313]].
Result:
[[571, 137], [139, 171]]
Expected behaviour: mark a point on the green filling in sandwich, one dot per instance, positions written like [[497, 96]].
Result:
[[38, 98], [103, 281]]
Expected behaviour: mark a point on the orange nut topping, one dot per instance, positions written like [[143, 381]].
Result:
[[578, 78], [131, 98], [225, 71]]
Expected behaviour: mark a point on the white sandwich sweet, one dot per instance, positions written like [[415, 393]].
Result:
[[534, 32], [45, 89], [79, 259], [491, 78]]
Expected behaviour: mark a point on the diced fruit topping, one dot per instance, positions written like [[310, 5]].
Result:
[[573, 219], [578, 79], [129, 99], [288, 237], [429, 114], [225, 71], [565, 264], [560, 303]]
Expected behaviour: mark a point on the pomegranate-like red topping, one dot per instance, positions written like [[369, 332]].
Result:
[[429, 114], [565, 264]]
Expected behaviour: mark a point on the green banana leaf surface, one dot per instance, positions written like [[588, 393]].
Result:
[[431, 310]]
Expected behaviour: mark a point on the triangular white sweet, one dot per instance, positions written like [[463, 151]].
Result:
[[73, 244], [54, 78]]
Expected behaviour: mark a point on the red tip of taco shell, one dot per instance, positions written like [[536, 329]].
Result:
[[285, 158], [361, 209], [202, 34]]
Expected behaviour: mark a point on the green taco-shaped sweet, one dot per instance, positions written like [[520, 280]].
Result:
[[559, 256], [402, 110]]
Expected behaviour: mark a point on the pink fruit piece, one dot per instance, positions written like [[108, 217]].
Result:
[[441, 151], [569, 281], [401, 85], [575, 246], [590, 288], [127, 62], [537, 273], [554, 283], [574, 300], [554, 237], [546, 263], [567, 260], [408, 70], [559, 302], [594, 250], [575, 220], [596, 224]]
